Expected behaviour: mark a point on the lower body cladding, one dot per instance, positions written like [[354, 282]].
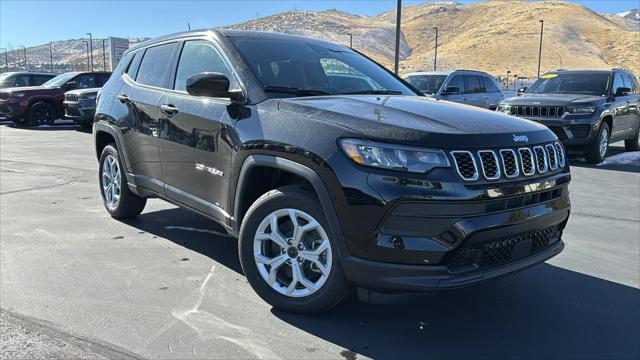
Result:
[[461, 243]]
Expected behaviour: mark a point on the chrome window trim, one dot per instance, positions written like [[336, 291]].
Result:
[[533, 161], [476, 174], [495, 157], [504, 167]]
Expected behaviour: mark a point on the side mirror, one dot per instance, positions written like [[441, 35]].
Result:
[[451, 90], [211, 85], [623, 91], [522, 90], [71, 85]]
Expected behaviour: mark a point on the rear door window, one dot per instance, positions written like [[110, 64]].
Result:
[[155, 68], [132, 69], [472, 84], [201, 56], [489, 85]]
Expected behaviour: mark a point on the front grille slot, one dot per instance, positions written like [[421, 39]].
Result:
[[489, 164], [466, 165], [541, 159], [552, 156], [526, 159], [538, 111], [503, 251], [560, 154], [509, 163]]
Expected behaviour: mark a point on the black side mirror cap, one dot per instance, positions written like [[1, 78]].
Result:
[[522, 90], [211, 84], [451, 90], [623, 91]]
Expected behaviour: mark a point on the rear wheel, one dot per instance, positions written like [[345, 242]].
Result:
[[119, 201], [597, 150], [634, 143], [41, 113], [288, 254]]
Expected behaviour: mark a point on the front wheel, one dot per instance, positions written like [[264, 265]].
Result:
[[597, 150], [119, 201], [41, 113], [288, 254], [634, 143]]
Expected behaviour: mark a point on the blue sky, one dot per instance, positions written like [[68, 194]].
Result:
[[29, 23]]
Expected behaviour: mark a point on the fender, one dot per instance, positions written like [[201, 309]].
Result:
[[302, 171], [102, 126]]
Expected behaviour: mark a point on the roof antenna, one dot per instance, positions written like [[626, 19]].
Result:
[[189, 25]]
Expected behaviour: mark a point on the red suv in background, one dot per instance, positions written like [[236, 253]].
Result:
[[38, 105]]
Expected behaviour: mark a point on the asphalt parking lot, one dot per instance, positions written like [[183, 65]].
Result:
[[168, 284]]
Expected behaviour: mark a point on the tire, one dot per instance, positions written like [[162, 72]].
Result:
[[88, 125], [324, 273], [41, 113], [21, 122], [119, 201], [597, 151], [634, 143]]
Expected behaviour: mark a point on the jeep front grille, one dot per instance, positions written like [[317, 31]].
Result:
[[538, 111], [508, 163], [71, 97]]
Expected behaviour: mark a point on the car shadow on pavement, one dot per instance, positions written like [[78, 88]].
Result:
[[191, 231], [545, 312], [615, 161]]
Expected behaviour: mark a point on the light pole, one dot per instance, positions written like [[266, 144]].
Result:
[[51, 55], [397, 57], [435, 57], [6, 59], [350, 40], [90, 51], [104, 56], [515, 80], [24, 50], [87, 43], [507, 86], [540, 48]]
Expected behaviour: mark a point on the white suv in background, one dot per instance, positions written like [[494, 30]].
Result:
[[469, 87]]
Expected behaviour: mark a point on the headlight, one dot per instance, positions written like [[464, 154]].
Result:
[[88, 97], [18, 94], [582, 109], [393, 157], [504, 108]]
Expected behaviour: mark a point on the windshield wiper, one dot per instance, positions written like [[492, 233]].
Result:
[[373, 92], [294, 91]]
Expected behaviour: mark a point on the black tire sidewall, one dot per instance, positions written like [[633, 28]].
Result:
[[633, 144], [336, 285], [129, 204], [592, 154]]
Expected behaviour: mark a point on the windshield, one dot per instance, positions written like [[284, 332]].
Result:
[[427, 84], [58, 80], [287, 67], [588, 84]]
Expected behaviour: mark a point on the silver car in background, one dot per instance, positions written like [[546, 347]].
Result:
[[469, 87]]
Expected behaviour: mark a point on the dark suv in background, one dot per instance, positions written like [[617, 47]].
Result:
[[38, 105], [80, 106], [326, 185], [587, 110], [24, 78]]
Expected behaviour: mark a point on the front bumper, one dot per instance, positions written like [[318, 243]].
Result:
[[10, 109], [572, 130], [79, 112]]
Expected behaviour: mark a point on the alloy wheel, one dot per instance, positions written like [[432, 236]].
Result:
[[111, 181], [292, 252], [604, 142]]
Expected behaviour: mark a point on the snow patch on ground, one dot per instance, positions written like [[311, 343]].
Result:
[[627, 158]]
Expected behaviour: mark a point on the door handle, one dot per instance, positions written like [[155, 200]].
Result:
[[169, 110], [123, 98]]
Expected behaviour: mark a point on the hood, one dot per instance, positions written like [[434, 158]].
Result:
[[33, 90], [418, 121], [552, 99], [84, 91]]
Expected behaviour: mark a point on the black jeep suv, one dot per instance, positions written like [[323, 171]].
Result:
[[587, 110], [327, 182]]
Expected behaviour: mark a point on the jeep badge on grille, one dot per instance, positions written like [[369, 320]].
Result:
[[520, 138]]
